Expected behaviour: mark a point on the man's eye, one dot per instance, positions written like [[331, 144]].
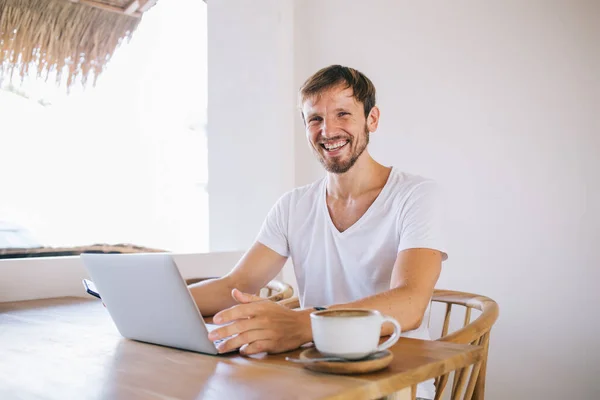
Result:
[[343, 113], [314, 119]]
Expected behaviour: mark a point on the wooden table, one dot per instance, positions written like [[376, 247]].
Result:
[[69, 348]]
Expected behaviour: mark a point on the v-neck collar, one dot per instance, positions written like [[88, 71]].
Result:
[[365, 215]]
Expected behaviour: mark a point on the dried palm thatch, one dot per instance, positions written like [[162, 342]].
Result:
[[54, 37]]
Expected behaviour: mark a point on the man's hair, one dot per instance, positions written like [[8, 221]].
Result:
[[363, 89]]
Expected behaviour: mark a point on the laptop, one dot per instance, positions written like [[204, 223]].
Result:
[[149, 301]]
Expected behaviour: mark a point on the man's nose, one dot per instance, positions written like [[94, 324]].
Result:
[[328, 130]]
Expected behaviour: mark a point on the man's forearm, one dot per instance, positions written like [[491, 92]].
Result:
[[255, 269], [214, 295], [405, 304], [412, 284]]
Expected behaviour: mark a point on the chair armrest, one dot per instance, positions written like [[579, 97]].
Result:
[[292, 303]]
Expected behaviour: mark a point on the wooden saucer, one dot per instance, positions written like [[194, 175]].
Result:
[[373, 363]]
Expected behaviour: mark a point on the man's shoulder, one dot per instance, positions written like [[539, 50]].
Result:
[[405, 183], [413, 190], [309, 192]]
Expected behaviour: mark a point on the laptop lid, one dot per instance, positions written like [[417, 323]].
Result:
[[148, 299]]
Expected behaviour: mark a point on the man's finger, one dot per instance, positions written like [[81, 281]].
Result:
[[240, 311], [245, 298], [243, 338], [236, 327], [258, 346]]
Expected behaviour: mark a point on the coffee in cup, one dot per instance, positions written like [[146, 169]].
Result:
[[351, 333]]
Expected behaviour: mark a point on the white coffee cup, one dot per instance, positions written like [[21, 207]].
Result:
[[351, 333]]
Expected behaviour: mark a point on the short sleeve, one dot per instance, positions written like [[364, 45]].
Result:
[[273, 232], [420, 220]]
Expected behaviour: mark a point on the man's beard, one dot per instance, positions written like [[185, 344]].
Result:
[[340, 166]]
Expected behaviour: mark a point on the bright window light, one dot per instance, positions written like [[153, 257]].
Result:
[[122, 162]]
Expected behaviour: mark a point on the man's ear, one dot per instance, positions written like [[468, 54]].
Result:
[[373, 119]]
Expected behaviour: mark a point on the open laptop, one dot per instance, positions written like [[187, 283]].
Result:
[[149, 301]]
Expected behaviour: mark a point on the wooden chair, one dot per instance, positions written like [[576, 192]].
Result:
[[292, 302], [275, 290], [476, 332]]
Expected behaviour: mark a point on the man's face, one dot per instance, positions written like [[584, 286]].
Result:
[[336, 128]]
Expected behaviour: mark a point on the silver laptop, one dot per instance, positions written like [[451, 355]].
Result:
[[149, 301]]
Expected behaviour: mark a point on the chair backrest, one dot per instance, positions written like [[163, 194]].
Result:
[[476, 332]]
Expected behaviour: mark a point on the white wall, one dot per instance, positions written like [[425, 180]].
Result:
[[499, 103], [496, 102], [250, 115]]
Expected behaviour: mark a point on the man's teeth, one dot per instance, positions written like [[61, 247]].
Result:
[[333, 146]]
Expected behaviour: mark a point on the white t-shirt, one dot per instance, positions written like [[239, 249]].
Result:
[[335, 267]]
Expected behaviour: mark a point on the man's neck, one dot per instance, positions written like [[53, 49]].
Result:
[[365, 175]]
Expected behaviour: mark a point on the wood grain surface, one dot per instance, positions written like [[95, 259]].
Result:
[[69, 348]]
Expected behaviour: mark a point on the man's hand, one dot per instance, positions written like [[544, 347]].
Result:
[[261, 326]]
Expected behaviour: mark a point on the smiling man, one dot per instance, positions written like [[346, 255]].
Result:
[[363, 236]]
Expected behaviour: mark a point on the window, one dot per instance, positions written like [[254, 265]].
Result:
[[122, 162]]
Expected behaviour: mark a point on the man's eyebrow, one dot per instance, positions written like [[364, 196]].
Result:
[[341, 109]]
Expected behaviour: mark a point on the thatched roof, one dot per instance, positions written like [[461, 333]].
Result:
[[121, 248], [72, 37]]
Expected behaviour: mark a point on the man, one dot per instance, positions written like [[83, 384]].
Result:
[[364, 236]]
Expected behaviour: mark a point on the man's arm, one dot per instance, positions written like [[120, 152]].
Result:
[[414, 276], [256, 268], [266, 326]]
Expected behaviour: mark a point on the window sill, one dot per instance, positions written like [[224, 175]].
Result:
[[48, 277]]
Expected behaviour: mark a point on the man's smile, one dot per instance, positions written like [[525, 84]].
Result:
[[335, 145]]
